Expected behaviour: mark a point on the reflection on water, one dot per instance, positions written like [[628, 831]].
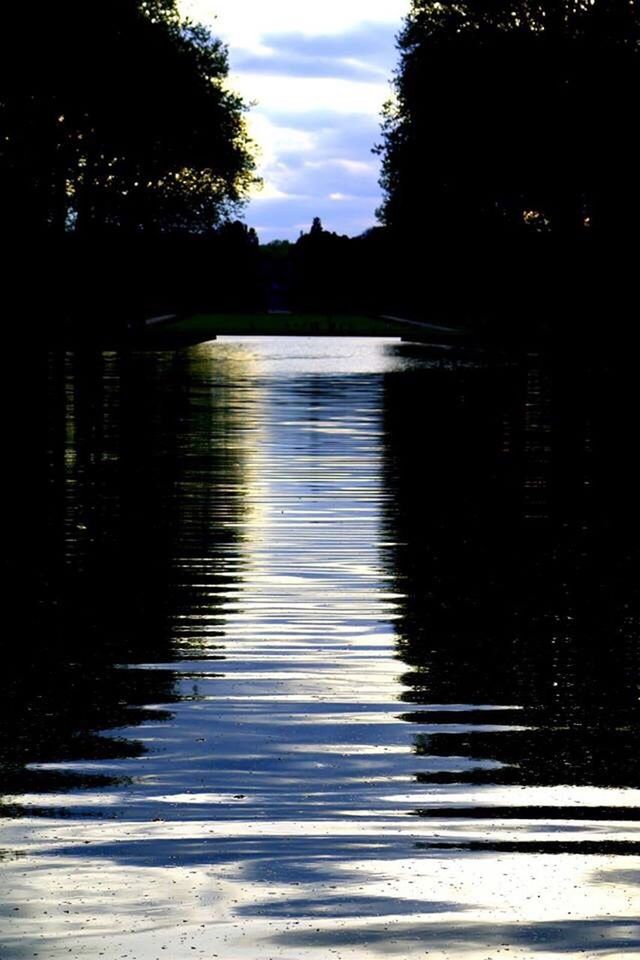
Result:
[[327, 650]]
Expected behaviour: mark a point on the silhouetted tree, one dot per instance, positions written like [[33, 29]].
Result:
[[116, 116], [322, 270], [514, 115]]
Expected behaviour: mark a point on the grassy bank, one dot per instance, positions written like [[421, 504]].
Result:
[[203, 326]]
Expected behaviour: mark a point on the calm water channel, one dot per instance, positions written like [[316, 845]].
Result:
[[325, 649]]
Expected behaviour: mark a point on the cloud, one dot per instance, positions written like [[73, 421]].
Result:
[[306, 170], [371, 41], [270, 92], [324, 177], [349, 137], [317, 75], [244, 23], [344, 194], [366, 54], [295, 65], [276, 220]]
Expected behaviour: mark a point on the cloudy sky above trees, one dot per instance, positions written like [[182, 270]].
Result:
[[318, 73]]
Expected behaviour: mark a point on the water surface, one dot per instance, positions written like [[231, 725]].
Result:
[[326, 649]]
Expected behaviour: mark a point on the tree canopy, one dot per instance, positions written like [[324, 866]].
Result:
[[117, 116], [514, 115]]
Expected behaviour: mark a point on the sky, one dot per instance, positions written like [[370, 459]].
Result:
[[317, 73]]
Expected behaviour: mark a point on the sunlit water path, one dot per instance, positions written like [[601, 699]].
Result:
[[331, 659]]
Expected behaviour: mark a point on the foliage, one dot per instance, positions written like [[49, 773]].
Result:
[[116, 116], [512, 116]]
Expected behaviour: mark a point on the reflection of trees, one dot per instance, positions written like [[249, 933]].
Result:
[[517, 549], [132, 484]]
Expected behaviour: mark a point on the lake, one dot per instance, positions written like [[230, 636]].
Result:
[[324, 648]]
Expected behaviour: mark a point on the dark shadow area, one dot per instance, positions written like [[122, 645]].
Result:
[[119, 188], [347, 907], [112, 497], [582, 848], [625, 877], [597, 936], [496, 210], [514, 524]]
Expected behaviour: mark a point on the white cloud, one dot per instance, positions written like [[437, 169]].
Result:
[[243, 23], [315, 74], [268, 191], [274, 138], [304, 94]]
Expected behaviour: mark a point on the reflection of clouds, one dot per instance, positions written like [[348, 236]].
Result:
[[350, 907], [630, 877], [245, 888], [563, 795], [275, 814], [565, 937]]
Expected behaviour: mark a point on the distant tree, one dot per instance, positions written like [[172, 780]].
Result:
[[238, 234], [322, 270], [277, 249], [117, 116], [512, 115]]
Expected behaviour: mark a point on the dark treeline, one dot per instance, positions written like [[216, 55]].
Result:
[[118, 135], [108, 284], [115, 116], [509, 171], [323, 272], [510, 157]]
